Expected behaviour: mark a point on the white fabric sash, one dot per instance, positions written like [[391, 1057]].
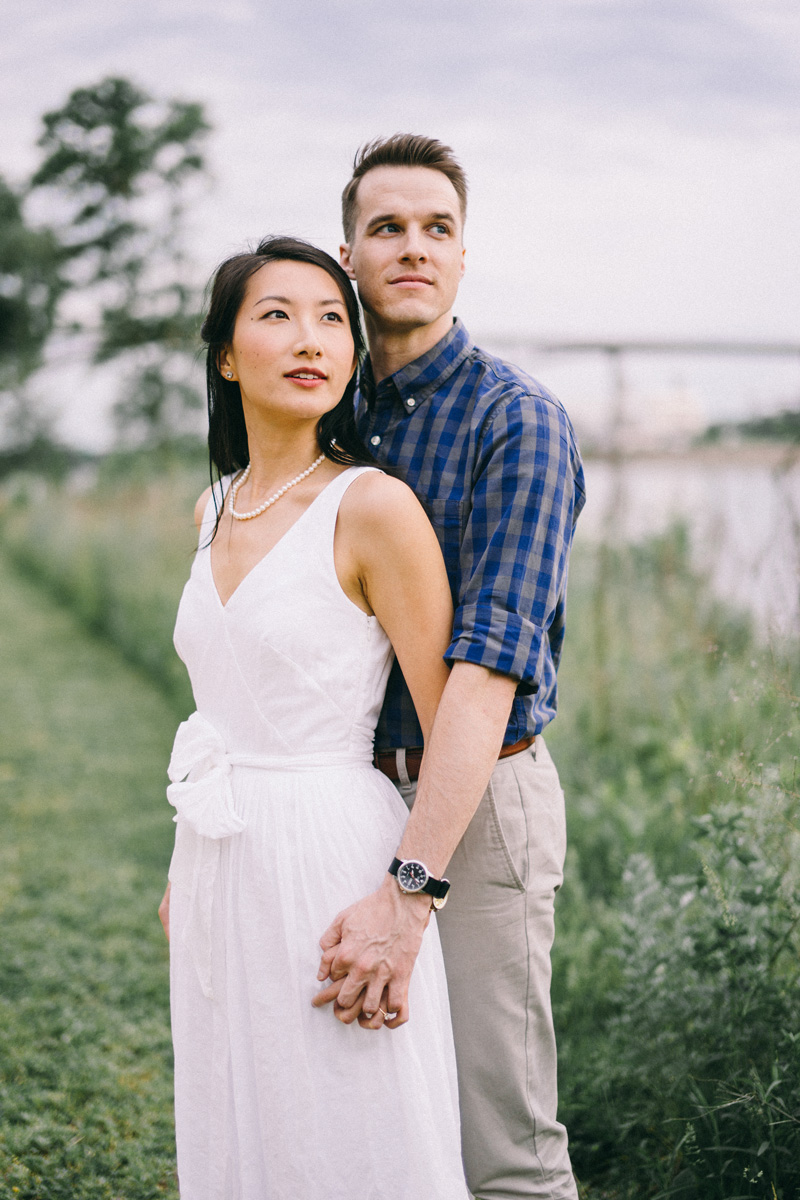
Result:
[[200, 790]]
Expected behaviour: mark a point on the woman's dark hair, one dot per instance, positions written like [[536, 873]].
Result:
[[227, 433]]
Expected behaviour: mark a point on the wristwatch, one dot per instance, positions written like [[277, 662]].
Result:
[[413, 876]]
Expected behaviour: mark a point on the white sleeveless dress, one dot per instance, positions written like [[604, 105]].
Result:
[[282, 822]]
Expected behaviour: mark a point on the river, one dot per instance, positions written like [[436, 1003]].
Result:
[[741, 506]]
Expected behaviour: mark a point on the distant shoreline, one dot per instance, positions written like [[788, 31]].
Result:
[[756, 453]]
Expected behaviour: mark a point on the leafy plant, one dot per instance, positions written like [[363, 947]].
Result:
[[121, 163]]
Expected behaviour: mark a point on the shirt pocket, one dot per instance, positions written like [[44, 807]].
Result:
[[449, 519]]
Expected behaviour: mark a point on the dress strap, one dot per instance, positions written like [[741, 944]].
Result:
[[331, 496]]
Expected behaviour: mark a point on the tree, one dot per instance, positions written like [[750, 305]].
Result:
[[113, 182], [30, 289]]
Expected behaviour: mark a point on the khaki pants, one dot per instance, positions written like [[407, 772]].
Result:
[[497, 931]]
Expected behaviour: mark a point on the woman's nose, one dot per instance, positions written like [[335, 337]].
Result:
[[308, 343]]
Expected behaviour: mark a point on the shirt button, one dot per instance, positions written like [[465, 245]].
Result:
[[411, 402], [375, 440]]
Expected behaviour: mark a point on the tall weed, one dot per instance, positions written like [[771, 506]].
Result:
[[117, 555], [673, 986], [675, 965]]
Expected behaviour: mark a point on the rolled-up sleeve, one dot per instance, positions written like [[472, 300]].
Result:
[[515, 547]]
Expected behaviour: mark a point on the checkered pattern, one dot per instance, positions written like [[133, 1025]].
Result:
[[492, 456]]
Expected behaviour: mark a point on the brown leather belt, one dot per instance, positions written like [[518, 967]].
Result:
[[386, 760]]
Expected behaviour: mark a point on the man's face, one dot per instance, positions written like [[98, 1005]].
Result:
[[406, 254]]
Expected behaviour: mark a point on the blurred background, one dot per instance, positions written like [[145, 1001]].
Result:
[[632, 240]]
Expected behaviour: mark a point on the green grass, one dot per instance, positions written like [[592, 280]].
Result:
[[117, 556], [85, 1053], [676, 981]]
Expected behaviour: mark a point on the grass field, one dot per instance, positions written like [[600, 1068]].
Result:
[[677, 959], [85, 1054]]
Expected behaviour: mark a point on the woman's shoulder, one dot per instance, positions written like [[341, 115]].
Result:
[[218, 491], [200, 508], [375, 501]]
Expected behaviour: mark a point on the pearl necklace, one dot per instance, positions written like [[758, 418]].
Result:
[[239, 516]]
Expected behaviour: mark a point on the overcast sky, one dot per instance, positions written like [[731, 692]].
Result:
[[634, 166]]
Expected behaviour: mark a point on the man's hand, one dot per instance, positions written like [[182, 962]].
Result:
[[369, 952]]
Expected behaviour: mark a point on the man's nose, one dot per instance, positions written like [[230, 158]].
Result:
[[413, 247]]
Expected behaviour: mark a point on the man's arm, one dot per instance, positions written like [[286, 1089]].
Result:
[[526, 489], [374, 944]]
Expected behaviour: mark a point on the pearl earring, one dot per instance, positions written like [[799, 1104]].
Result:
[[229, 374]]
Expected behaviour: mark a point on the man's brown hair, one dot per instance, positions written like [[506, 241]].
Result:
[[402, 150]]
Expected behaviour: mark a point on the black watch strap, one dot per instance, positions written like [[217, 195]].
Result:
[[437, 888]]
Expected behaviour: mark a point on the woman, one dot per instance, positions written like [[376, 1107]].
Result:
[[312, 566]]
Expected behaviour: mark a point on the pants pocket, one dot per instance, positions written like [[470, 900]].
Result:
[[509, 832]]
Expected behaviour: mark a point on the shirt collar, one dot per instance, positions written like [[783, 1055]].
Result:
[[416, 382]]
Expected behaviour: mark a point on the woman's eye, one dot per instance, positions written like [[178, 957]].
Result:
[[332, 316], [274, 312]]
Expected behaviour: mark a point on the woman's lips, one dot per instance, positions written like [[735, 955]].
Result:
[[308, 379]]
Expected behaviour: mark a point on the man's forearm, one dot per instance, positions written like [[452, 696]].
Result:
[[461, 753]]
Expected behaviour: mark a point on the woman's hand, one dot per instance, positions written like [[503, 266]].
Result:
[[163, 910], [368, 954]]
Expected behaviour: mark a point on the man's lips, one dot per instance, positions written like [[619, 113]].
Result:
[[410, 281]]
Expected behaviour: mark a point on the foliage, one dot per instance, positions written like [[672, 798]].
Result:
[[120, 164], [30, 287], [675, 989], [85, 1056], [784, 426], [91, 255], [694, 1088], [117, 554], [676, 750], [40, 453]]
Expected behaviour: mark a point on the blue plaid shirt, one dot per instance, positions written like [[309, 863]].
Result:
[[492, 456]]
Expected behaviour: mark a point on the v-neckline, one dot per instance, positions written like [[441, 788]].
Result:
[[272, 548]]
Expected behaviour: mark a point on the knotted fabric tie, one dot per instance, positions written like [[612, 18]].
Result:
[[200, 790], [204, 800]]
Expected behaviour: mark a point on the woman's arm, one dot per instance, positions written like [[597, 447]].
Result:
[[389, 563]]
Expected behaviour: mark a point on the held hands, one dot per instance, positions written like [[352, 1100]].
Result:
[[369, 951]]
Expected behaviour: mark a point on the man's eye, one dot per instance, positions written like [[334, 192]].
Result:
[[389, 227], [440, 229]]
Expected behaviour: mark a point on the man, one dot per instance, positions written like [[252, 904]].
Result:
[[492, 456]]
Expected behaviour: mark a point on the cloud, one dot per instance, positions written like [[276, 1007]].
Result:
[[724, 64], [633, 162]]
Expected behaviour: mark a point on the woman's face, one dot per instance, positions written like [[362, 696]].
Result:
[[292, 351]]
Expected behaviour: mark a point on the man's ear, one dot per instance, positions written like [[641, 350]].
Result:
[[344, 259], [463, 261]]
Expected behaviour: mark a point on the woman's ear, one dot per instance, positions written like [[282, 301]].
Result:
[[224, 364]]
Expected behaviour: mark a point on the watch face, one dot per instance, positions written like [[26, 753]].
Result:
[[412, 876]]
